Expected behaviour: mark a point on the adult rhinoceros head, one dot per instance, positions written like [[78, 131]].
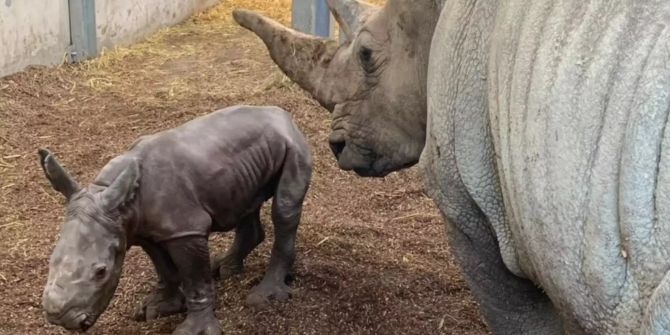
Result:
[[85, 265], [374, 83]]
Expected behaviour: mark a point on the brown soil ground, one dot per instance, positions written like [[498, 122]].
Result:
[[372, 254]]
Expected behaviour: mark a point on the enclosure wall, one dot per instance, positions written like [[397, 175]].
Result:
[[32, 32], [38, 31], [126, 21]]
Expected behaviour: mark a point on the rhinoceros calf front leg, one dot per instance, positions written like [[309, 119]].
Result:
[[286, 212], [167, 298], [191, 256], [248, 235]]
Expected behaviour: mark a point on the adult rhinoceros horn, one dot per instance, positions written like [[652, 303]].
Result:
[[302, 57], [349, 14]]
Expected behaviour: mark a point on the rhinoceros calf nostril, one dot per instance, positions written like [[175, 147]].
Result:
[[85, 322], [337, 147]]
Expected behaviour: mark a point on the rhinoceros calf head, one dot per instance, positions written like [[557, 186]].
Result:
[[374, 83], [85, 265]]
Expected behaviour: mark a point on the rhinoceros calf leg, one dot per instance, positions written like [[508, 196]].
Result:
[[286, 212], [248, 235], [166, 299], [191, 256]]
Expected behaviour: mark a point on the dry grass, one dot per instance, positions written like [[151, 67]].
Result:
[[372, 256]]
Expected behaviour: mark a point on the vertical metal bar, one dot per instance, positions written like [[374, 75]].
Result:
[[301, 19], [82, 30], [311, 17], [322, 19]]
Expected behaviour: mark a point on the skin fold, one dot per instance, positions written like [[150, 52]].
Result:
[[166, 194]]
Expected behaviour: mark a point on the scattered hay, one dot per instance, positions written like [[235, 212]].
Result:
[[110, 71]]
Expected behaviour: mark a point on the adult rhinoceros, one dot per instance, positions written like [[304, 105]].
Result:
[[545, 148]]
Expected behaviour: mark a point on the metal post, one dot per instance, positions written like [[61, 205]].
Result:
[[83, 38], [322, 21], [311, 17]]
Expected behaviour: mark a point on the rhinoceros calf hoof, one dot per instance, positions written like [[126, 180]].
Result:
[[160, 303], [226, 268], [262, 294], [200, 323]]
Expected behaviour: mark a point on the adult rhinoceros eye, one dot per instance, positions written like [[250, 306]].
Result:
[[365, 55], [99, 272]]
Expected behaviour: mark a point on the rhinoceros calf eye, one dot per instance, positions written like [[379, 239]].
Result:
[[99, 272]]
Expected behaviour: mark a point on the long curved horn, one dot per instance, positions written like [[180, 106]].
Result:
[[303, 58], [349, 14]]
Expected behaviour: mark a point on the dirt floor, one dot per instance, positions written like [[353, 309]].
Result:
[[372, 253]]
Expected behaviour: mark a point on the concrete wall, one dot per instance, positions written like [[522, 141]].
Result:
[[121, 22], [38, 31], [32, 32]]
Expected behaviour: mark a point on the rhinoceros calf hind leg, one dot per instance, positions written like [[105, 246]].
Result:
[[286, 212], [248, 235], [166, 298]]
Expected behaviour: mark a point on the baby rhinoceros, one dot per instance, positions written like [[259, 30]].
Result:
[[166, 194]]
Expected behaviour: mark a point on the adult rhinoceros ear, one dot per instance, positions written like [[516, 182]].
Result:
[[349, 14], [123, 188], [59, 178]]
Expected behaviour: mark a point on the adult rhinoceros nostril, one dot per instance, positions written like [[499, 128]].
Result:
[[337, 147]]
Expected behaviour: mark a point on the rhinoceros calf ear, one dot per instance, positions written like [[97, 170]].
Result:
[[123, 188], [59, 178]]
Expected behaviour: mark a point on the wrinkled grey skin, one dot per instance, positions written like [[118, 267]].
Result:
[[165, 194], [545, 149]]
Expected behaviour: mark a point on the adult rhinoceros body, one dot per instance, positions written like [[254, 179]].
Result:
[[545, 145]]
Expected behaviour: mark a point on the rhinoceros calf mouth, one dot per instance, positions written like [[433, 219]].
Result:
[[77, 322]]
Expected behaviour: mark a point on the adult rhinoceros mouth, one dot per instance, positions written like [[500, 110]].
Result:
[[371, 173], [73, 321]]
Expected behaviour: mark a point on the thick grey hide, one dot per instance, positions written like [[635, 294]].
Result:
[[546, 124], [214, 170]]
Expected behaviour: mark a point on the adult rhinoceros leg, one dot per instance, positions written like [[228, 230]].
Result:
[[657, 320], [461, 177], [248, 235], [509, 304], [167, 298]]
